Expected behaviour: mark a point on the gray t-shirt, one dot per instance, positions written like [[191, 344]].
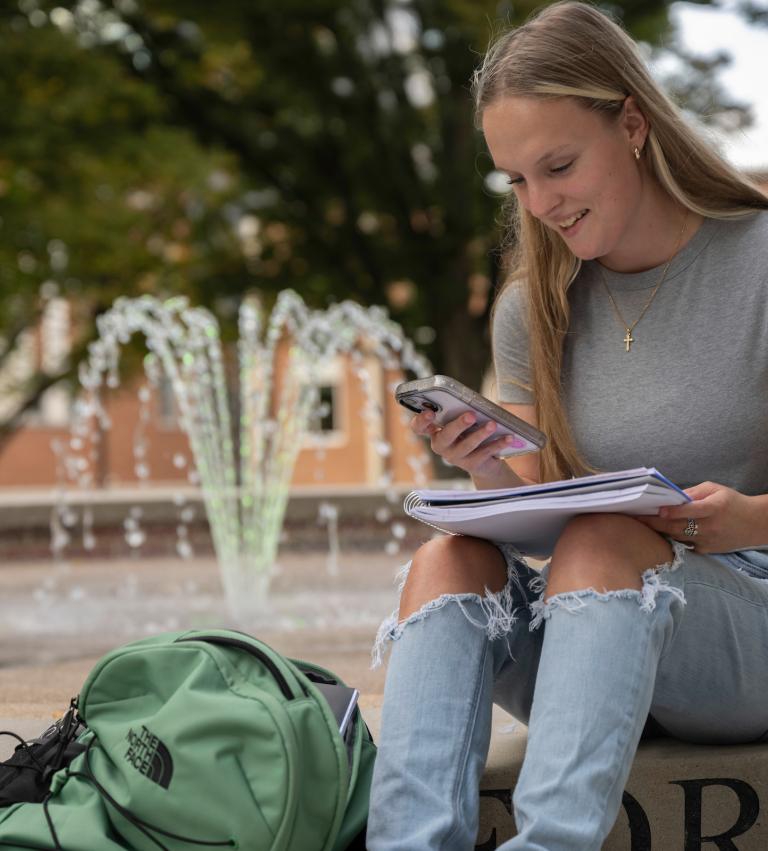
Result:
[[691, 397]]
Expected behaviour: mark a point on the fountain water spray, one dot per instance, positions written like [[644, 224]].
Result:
[[243, 467]]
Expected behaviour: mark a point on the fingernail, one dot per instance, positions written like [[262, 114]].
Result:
[[490, 426], [468, 418]]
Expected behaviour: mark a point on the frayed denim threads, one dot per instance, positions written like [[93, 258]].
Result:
[[572, 601], [498, 608]]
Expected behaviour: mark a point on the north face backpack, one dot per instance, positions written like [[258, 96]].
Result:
[[201, 739]]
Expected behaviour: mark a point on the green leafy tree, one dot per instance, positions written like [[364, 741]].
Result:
[[353, 129], [100, 194], [324, 145]]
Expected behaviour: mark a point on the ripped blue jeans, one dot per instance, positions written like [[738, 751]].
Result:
[[584, 670]]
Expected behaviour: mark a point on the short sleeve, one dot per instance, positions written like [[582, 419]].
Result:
[[511, 357]]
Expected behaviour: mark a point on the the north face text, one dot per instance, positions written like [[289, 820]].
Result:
[[148, 755]]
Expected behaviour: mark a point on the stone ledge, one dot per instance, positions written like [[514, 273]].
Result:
[[25, 518], [679, 797]]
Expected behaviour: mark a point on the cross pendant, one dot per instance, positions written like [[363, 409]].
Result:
[[628, 339]]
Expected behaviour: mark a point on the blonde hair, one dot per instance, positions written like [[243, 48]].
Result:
[[570, 49]]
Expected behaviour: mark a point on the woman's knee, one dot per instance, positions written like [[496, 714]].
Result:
[[605, 551], [452, 564]]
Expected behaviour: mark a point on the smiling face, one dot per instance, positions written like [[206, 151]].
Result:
[[572, 168]]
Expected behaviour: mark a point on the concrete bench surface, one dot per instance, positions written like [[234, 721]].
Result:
[[679, 797]]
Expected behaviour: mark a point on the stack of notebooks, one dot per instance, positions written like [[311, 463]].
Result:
[[533, 516]]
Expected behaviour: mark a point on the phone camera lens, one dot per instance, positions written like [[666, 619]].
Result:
[[430, 405]]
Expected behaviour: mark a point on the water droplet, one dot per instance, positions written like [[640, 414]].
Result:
[[383, 514], [327, 511], [59, 540], [392, 548], [184, 549], [398, 530], [135, 538]]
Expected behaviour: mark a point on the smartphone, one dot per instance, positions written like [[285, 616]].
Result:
[[450, 399]]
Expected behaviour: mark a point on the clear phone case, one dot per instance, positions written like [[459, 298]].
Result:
[[450, 399]]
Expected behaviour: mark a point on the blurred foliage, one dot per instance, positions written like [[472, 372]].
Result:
[[325, 145], [755, 11]]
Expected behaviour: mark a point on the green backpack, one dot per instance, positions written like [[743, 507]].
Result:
[[203, 739]]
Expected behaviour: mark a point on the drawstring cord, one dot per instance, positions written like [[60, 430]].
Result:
[[27, 749], [140, 824]]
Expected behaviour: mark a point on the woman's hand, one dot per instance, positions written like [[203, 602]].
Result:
[[725, 520], [459, 446]]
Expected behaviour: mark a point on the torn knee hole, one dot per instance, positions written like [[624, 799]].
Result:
[[492, 612], [653, 579]]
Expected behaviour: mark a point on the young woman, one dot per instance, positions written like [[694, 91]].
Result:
[[633, 330]]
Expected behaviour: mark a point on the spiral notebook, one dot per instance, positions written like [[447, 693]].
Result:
[[532, 516]]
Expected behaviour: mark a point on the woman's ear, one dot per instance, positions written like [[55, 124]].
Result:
[[634, 123]]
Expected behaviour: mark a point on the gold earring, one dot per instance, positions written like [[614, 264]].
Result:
[[636, 152]]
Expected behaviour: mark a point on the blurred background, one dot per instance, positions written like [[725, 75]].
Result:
[[238, 148]]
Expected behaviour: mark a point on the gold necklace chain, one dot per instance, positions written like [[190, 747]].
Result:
[[628, 338]]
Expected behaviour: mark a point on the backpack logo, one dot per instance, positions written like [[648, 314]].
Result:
[[149, 756]]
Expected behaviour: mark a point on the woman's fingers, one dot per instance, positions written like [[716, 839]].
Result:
[[424, 424], [471, 450], [459, 441], [459, 437], [707, 499], [492, 449], [697, 510]]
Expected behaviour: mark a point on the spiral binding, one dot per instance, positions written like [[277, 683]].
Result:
[[414, 501]]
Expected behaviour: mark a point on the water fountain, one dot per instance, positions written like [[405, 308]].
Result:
[[244, 453]]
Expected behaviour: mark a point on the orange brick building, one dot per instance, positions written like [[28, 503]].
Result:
[[342, 448]]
